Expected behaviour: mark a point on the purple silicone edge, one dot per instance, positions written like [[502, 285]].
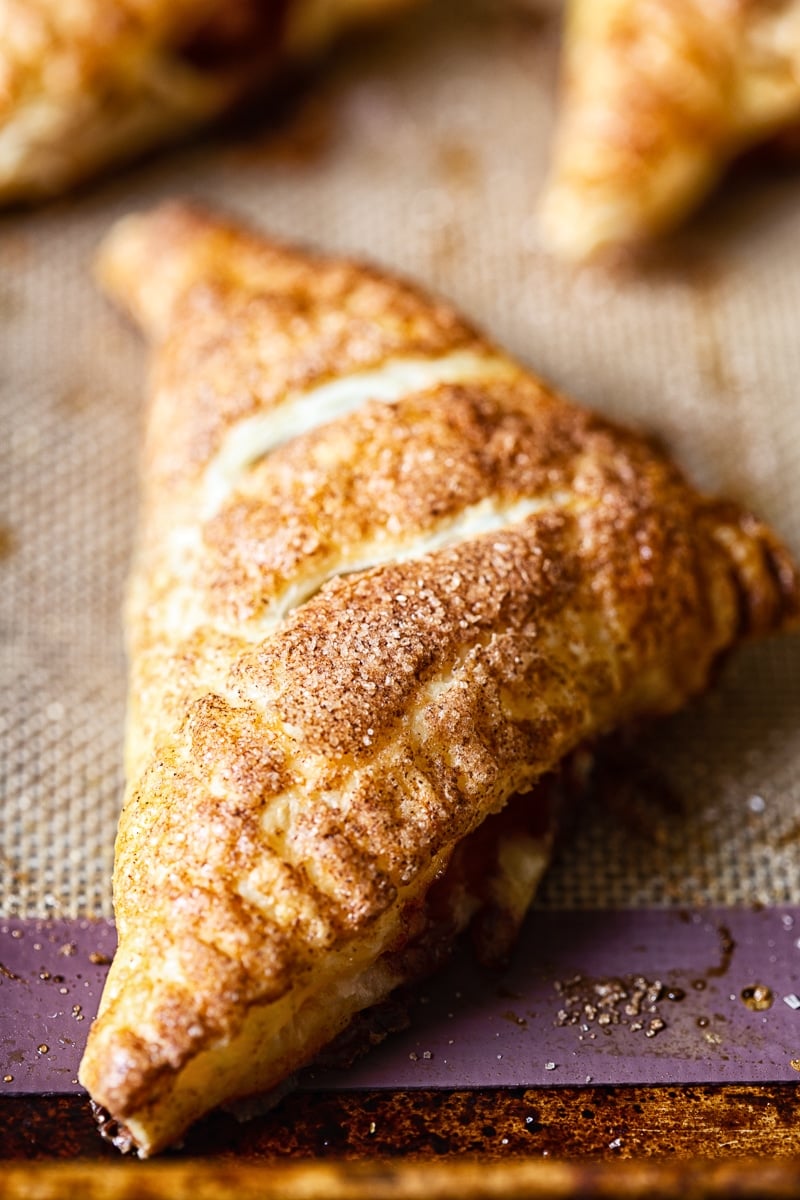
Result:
[[51, 977], [715, 1003]]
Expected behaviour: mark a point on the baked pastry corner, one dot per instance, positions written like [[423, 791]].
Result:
[[90, 83], [657, 98]]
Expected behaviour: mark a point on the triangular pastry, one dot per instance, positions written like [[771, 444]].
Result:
[[387, 581], [85, 83], [658, 96]]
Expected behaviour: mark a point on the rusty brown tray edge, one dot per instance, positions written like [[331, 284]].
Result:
[[713, 1141], [467, 1180]]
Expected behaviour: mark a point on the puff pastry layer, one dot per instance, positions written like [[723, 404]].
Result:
[[658, 97], [387, 580]]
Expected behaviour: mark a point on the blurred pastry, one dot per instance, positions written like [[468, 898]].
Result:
[[658, 96], [388, 586], [86, 83]]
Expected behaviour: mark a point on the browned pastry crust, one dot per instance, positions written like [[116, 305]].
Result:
[[84, 83], [386, 580], [658, 97]]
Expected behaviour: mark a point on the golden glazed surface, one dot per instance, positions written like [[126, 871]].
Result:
[[84, 83], [658, 96], [351, 646]]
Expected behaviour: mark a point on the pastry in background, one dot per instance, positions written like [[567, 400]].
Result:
[[87, 83], [389, 587], [657, 98]]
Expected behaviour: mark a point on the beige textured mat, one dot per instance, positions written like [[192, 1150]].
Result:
[[423, 149]]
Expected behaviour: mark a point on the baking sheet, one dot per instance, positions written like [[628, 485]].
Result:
[[424, 150]]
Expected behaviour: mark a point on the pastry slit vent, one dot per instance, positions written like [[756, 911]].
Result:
[[477, 520], [254, 437], [486, 517]]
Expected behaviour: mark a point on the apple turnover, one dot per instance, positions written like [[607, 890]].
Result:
[[658, 96], [86, 83], [389, 588]]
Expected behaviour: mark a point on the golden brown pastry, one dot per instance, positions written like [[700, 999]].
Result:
[[84, 83], [387, 583], [658, 96]]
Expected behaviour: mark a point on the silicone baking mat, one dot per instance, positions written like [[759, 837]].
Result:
[[422, 148], [642, 996]]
